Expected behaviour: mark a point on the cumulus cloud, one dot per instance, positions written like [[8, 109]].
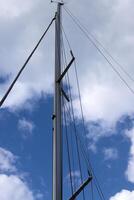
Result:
[[130, 169], [123, 195], [110, 153]]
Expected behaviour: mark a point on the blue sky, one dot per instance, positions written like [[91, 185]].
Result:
[[108, 105]]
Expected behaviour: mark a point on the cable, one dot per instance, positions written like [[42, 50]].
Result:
[[101, 52], [23, 67]]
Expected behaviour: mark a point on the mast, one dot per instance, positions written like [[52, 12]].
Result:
[[57, 117], [57, 134]]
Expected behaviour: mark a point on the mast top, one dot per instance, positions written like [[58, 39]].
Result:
[[60, 2]]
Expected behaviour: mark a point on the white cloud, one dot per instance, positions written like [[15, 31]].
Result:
[[26, 125], [99, 129], [104, 102], [110, 153], [96, 131], [123, 195], [12, 187], [7, 161], [130, 169]]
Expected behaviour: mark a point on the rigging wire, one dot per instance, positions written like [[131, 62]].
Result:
[[72, 118], [103, 47], [71, 134], [64, 59], [67, 144], [80, 142], [75, 131], [88, 161], [78, 153], [24, 65], [65, 124], [78, 84], [101, 52], [83, 120]]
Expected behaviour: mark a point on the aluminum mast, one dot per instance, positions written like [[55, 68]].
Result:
[[57, 134]]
